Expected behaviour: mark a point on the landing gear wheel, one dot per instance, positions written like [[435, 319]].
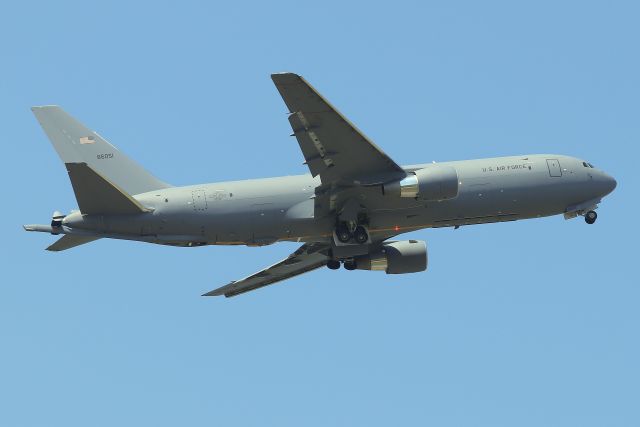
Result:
[[590, 217], [343, 234], [349, 265], [360, 235], [333, 264]]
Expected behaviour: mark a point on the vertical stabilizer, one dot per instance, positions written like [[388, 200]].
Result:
[[75, 143]]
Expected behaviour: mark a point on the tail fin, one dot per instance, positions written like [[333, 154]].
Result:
[[76, 143]]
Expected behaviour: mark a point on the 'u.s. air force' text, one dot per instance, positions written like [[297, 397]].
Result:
[[502, 168]]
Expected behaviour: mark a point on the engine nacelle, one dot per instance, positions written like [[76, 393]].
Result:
[[407, 256], [434, 182]]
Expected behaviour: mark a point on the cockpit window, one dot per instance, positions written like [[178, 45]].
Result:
[[585, 164], [590, 165]]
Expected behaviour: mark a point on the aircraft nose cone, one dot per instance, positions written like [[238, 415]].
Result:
[[609, 183]]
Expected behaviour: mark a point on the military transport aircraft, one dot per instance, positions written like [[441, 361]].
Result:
[[344, 212]]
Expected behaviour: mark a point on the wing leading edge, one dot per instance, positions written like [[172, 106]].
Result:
[[307, 258], [332, 146]]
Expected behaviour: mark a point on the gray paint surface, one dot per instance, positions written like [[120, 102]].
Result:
[[347, 181]]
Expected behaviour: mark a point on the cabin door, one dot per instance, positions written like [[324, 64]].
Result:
[[554, 167]]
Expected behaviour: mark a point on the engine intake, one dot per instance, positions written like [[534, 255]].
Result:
[[407, 256], [434, 182]]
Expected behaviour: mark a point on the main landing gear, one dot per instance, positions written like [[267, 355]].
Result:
[[345, 234], [590, 217], [350, 240], [360, 235], [334, 264], [349, 265]]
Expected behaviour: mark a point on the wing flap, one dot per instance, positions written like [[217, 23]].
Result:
[[305, 259]]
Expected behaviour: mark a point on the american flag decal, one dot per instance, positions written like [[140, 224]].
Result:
[[87, 140]]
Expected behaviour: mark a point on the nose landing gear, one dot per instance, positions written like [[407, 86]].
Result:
[[590, 217]]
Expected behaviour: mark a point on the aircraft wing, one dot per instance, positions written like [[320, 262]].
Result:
[[308, 257], [332, 146]]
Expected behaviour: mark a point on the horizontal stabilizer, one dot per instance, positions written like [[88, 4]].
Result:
[[69, 241], [96, 195]]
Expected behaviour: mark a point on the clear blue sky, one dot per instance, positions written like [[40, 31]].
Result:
[[533, 323]]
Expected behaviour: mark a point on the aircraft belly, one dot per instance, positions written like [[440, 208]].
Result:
[[256, 221], [266, 222]]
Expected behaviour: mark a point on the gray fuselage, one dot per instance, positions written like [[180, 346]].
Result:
[[263, 211]]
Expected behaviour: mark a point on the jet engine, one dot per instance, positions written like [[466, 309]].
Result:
[[434, 182], [407, 256]]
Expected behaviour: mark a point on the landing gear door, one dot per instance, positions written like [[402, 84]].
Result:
[[554, 167]]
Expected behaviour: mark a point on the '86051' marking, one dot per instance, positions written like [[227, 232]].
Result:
[[104, 156]]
